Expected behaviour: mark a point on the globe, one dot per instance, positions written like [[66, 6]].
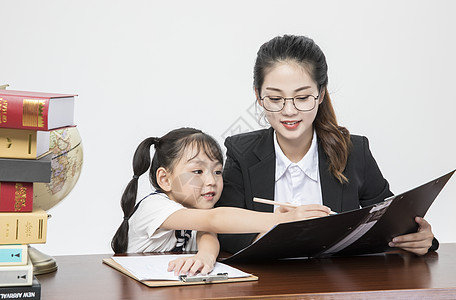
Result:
[[67, 157]]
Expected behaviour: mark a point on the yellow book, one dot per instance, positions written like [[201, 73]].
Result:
[[23, 143], [23, 227]]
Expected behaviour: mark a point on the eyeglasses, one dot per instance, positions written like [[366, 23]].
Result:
[[301, 103]]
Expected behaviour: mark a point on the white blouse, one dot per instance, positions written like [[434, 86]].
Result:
[[298, 183], [145, 234]]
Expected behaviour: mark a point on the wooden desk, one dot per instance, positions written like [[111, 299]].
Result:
[[399, 275]]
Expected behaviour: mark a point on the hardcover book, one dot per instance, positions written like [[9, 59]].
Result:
[[17, 275], [16, 196], [363, 231], [25, 144], [23, 227], [32, 292], [13, 255], [34, 110], [26, 170]]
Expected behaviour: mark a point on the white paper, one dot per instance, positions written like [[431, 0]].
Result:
[[154, 267]]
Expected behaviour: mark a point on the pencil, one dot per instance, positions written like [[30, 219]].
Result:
[[260, 200]]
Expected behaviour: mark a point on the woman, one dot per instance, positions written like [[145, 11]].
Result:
[[305, 157]]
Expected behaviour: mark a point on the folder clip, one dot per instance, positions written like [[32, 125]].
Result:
[[204, 278]]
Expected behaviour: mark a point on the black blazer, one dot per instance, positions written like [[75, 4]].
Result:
[[250, 172]]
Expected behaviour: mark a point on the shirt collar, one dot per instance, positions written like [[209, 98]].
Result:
[[308, 164]]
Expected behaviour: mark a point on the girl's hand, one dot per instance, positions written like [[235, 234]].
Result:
[[419, 242], [191, 265], [304, 212]]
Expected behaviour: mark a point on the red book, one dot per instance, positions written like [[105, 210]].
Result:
[[34, 110], [16, 196]]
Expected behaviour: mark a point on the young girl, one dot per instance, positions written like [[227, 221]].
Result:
[[186, 172], [305, 155]]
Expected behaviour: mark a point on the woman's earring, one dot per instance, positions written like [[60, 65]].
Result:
[[262, 120], [265, 120]]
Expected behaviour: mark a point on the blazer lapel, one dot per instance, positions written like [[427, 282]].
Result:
[[262, 174], [331, 188]]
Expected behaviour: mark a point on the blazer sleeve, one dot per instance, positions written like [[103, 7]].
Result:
[[374, 188], [373, 182], [234, 194]]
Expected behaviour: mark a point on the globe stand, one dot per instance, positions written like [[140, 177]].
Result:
[[42, 263]]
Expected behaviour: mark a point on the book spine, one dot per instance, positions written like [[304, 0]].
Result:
[[17, 275], [32, 292], [26, 170], [13, 255], [21, 143], [16, 196], [24, 112], [23, 227]]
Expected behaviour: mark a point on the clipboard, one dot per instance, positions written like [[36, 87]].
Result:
[[164, 283]]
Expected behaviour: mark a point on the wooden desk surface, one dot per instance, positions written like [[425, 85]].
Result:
[[398, 275]]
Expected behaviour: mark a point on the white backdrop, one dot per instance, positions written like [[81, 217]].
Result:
[[142, 68]]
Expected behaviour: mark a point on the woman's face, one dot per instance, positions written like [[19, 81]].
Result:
[[290, 80]]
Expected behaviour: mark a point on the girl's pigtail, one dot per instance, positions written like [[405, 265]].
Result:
[[141, 163]]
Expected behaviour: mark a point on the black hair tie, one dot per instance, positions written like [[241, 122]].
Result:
[[135, 176]]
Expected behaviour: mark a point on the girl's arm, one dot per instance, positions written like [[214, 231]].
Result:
[[236, 220], [203, 262], [226, 220]]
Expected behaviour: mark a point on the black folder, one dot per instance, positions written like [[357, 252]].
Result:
[[362, 231]]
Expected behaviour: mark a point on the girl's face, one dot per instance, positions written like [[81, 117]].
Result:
[[290, 80], [196, 181]]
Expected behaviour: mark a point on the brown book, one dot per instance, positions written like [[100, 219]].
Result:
[[23, 227]]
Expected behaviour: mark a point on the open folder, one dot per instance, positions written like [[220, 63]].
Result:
[[151, 270], [362, 231]]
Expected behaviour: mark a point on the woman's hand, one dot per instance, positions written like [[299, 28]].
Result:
[[191, 265], [419, 242], [303, 212]]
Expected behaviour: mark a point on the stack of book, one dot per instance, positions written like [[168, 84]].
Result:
[[26, 120], [16, 274]]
